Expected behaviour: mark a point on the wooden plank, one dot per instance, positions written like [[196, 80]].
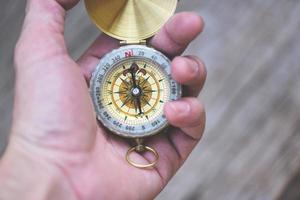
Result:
[[11, 16], [252, 142], [292, 191]]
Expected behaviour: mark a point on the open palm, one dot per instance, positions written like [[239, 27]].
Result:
[[55, 135]]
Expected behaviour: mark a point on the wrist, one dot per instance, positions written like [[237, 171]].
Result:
[[25, 176]]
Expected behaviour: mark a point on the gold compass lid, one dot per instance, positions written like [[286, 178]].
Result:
[[130, 20]]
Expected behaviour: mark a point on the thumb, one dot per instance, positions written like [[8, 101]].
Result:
[[52, 104], [43, 29]]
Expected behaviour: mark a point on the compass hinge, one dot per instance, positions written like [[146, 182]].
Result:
[[126, 42]]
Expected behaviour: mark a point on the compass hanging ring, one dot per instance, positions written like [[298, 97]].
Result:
[[142, 149], [131, 84]]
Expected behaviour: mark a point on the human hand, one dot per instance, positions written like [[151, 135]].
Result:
[[57, 150]]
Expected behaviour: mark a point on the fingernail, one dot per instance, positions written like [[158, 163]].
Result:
[[180, 107], [195, 67]]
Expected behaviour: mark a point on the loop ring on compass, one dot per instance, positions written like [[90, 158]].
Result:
[[140, 149]]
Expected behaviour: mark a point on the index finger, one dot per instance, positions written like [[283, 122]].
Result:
[[176, 35]]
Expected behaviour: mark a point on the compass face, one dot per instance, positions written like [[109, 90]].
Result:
[[129, 89]]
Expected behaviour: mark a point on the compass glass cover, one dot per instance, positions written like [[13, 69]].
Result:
[[129, 89]]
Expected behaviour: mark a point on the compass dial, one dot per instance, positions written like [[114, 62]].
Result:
[[129, 89]]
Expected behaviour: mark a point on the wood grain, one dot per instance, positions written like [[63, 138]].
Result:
[[252, 142]]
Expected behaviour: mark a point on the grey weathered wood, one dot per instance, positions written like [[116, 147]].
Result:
[[252, 144], [11, 16], [251, 48], [292, 191]]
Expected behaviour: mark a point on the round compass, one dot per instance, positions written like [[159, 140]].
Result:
[[129, 89], [131, 84]]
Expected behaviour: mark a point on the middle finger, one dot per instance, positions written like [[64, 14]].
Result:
[[189, 71]]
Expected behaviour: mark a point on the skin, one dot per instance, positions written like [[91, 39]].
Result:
[[57, 149]]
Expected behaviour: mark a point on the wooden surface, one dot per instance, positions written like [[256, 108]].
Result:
[[252, 51]]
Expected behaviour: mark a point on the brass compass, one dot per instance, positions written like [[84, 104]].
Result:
[[132, 83]]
